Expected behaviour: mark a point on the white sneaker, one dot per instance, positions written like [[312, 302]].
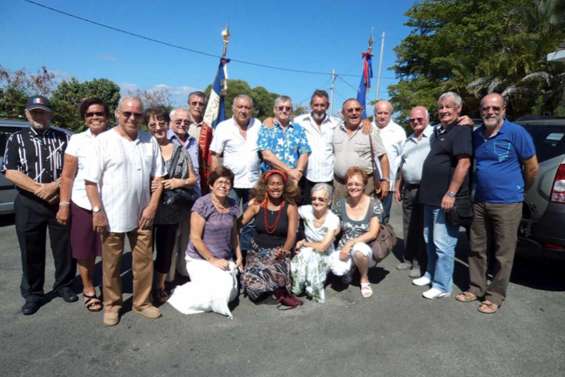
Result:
[[421, 281], [434, 293]]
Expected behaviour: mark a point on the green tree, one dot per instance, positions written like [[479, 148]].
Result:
[[262, 98], [69, 94], [476, 47]]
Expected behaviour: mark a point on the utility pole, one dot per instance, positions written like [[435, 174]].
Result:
[[332, 92], [380, 69]]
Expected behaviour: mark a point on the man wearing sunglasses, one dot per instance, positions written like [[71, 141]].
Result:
[[284, 146], [506, 165], [353, 147], [203, 133], [123, 162]]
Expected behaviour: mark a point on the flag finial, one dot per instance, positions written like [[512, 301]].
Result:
[[226, 38]]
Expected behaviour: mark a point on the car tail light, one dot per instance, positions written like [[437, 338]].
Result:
[[558, 189]]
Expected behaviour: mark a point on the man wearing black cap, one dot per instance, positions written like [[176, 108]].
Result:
[[33, 161]]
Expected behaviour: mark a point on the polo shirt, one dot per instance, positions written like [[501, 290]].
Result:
[[392, 136], [240, 154], [413, 154], [498, 161], [321, 160], [447, 145], [36, 153], [287, 145], [354, 149], [123, 169]]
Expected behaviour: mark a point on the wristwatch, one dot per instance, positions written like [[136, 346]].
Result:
[[96, 209], [451, 194]]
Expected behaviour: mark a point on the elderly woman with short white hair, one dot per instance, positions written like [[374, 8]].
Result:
[[311, 264]]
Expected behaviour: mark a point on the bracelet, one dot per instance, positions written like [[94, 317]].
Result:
[[64, 204]]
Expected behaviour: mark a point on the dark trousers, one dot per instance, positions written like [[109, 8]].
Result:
[[306, 190], [413, 226], [242, 196], [498, 223], [387, 204], [165, 238], [33, 218]]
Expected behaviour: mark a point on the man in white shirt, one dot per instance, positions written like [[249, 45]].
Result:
[[414, 151], [123, 162], [235, 140], [392, 136], [319, 127]]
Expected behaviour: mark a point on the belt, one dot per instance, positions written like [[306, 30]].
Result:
[[411, 186]]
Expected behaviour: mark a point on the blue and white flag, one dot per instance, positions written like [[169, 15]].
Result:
[[365, 83], [215, 110]]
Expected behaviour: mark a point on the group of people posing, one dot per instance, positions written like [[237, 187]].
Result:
[[284, 201]]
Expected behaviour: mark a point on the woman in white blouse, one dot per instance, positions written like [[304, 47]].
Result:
[[74, 206]]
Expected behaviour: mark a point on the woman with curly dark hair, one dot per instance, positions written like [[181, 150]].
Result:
[[276, 222]]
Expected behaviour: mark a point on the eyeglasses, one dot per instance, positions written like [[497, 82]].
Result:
[[284, 108], [414, 120], [196, 103], [95, 113], [318, 199], [353, 109], [496, 109], [155, 124], [128, 114], [178, 122], [221, 182]]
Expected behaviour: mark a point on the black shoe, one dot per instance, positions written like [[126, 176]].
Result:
[[67, 294], [31, 306]]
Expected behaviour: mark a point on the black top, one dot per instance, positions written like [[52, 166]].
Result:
[[446, 145], [278, 237], [37, 154]]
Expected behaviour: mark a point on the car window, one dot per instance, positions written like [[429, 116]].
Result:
[[549, 140]]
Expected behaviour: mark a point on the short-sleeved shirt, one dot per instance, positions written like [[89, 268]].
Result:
[[413, 154], [191, 148], [80, 146], [240, 154], [287, 145], [392, 136], [317, 234], [447, 145], [123, 169], [355, 149], [37, 154], [217, 228], [322, 159], [354, 228], [498, 163]]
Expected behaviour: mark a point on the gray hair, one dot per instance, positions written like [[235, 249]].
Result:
[[325, 188], [245, 97], [174, 112], [421, 108], [283, 99], [454, 96], [129, 98]]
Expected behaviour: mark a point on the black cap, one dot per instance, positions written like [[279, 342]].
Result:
[[38, 102]]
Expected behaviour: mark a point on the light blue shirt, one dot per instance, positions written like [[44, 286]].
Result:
[[413, 153], [191, 147]]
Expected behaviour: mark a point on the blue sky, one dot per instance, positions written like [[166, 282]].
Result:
[[307, 35]]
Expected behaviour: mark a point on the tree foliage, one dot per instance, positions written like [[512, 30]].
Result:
[[262, 98], [476, 47], [66, 99]]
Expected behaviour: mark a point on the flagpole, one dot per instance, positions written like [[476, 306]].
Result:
[[226, 39], [380, 69]]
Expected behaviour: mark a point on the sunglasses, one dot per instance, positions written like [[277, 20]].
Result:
[[318, 199], [496, 109], [414, 120], [284, 108], [95, 113], [353, 109], [182, 121], [128, 114], [196, 103]]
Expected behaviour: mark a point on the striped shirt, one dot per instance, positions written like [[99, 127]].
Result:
[[37, 154]]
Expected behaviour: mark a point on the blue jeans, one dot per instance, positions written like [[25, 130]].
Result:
[[387, 204], [441, 239]]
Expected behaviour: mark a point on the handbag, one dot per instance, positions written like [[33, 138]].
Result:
[[384, 243], [178, 196], [462, 212]]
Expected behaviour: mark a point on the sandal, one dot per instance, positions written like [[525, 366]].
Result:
[[366, 290], [91, 302], [488, 307], [466, 296]]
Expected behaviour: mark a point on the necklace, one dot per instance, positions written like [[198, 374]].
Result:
[[270, 228], [219, 206]]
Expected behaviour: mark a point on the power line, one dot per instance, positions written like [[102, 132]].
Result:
[[179, 47]]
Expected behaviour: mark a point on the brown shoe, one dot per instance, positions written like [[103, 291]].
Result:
[[466, 296], [111, 318], [149, 312]]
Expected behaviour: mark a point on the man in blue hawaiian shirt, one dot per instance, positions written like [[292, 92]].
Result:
[[283, 145]]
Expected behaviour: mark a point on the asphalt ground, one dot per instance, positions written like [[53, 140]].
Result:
[[394, 333]]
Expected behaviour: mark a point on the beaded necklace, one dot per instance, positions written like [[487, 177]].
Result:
[[270, 228]]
